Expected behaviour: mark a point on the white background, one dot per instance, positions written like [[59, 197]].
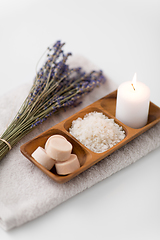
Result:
[[121, 37]]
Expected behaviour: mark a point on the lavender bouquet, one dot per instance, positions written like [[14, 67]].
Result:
[[55, 86]]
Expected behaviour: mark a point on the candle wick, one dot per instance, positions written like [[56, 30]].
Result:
[[133, 86]]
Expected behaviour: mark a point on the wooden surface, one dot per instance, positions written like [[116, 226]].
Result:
[[87, 158]]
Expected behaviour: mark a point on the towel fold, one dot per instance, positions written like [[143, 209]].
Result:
[[25, 191]]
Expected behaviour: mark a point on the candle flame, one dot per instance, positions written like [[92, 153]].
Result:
[[134, 80]]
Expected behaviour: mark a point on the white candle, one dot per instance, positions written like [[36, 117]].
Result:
[[133, 103]]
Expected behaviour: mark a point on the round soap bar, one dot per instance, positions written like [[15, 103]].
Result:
[[67, 166], [54, 136], [41, 156], [58, 148]]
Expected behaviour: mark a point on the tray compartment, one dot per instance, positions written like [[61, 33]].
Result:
[[81, 114], [108, 104], [41, 140], [83, 155]]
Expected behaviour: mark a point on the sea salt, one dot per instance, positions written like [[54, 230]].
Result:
[[97, 132]]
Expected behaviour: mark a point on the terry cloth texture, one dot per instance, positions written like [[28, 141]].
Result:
[[26, 192]]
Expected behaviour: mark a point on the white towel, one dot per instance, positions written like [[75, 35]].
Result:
[[25, 191]]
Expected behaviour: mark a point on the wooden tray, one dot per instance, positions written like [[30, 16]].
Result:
[[87, 158]]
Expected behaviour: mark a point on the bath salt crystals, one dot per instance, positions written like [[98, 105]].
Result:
[[97, 132]]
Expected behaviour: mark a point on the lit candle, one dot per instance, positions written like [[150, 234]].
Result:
[[133, 103]]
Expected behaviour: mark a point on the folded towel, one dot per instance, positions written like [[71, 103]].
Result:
[[25, 191]]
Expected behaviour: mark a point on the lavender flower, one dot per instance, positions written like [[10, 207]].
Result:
[[55, 86]]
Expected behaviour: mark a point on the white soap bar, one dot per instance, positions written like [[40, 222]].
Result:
[[53, 136], [58, 148], [68, 166], [41, 157]]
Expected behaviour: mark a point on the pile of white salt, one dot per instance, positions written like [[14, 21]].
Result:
[[97, 132]]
